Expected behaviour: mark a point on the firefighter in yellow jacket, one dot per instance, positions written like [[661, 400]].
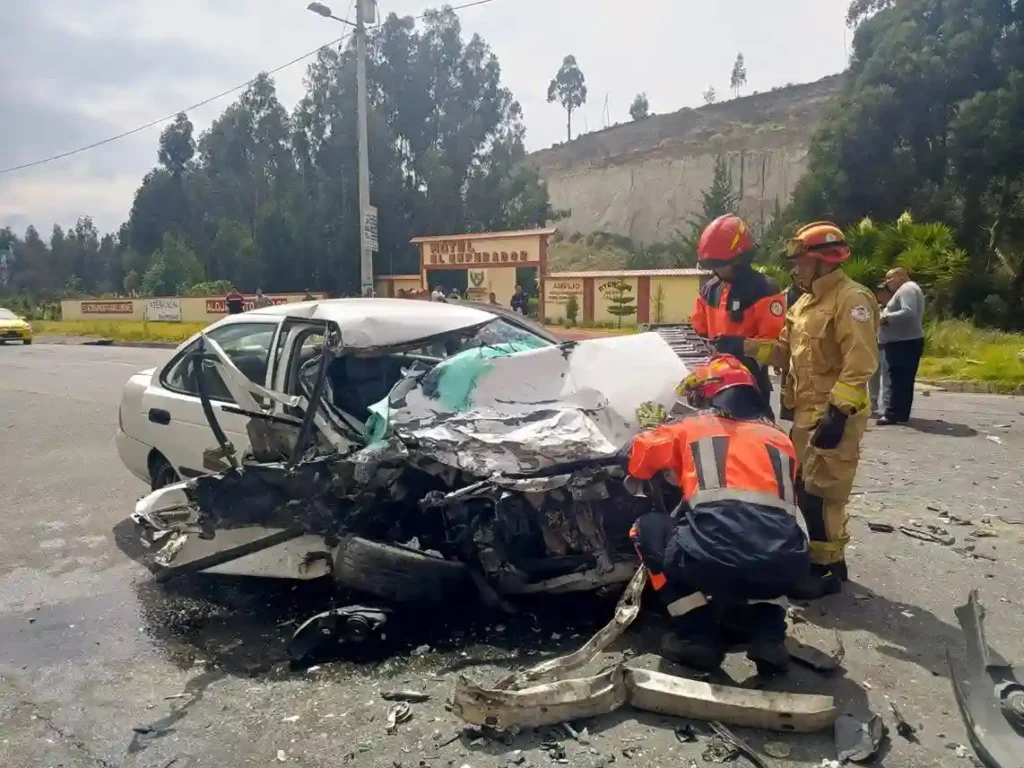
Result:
[[829, 348]]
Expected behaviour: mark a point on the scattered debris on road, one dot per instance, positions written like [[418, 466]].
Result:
[[927, 532], [736, 742], [881, 527], [397, 714], [777, 749], [415, 697], [718, 750], [858, 741], [903, 728]]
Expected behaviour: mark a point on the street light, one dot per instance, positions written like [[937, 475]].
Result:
[[364, 12], [325, 11]]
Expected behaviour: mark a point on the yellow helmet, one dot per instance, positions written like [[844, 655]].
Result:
[[823, 240]]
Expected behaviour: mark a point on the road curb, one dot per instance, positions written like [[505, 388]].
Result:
[[974, 387], [89, 341]]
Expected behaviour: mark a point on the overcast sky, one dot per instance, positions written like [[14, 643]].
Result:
[[77, 71]]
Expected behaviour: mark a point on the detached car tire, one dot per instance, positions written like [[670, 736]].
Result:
[[396, 573]]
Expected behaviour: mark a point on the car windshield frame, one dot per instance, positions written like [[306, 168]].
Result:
[[6, 314]]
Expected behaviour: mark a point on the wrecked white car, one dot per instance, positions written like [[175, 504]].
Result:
[[411, 462]]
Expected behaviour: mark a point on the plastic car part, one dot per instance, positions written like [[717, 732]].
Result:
[[858, 741], [352, 625], [989, 693]]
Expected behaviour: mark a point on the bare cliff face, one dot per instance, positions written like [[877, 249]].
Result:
[[645, 179]]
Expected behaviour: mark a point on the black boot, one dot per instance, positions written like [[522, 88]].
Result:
[[760, 630], [695, 640], [703, 653], [822, 580]]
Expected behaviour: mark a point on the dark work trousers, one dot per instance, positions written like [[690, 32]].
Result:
[[901, 361]]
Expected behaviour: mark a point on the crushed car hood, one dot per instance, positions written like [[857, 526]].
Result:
[[501, 411]]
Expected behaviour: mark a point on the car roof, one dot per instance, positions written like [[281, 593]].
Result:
[[367, 323], [511, 316]]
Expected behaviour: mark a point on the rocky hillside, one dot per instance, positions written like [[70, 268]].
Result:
[[644, 179]]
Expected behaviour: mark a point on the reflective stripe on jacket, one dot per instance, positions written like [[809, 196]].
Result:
[[738, 478]]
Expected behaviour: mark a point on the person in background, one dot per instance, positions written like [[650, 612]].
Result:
[[739, 302], [879, 382], [492, 298], [438, 293], [454, 295], [520, 302], [309, 296], [902, 344], [261, 300], [235, 302]]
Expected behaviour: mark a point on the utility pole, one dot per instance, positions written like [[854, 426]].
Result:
[[365, 12]]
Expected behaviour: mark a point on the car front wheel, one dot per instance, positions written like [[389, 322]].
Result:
[[161, 473], [26, 342]]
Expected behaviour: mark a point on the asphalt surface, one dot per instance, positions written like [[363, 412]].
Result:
[[99, 667]]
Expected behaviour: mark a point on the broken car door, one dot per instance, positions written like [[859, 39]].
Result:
[[173, 404]]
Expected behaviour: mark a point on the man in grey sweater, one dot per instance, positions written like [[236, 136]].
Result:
[[901, 338], [877, 387]]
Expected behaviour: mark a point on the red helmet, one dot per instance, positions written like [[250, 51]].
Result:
[[725, 241], [720, 373], [823, 240]]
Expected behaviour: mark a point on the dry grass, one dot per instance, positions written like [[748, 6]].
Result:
[[120, 330]]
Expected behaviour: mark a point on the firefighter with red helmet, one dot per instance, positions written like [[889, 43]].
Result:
[[829, 345], [738, 302], [739, 540]]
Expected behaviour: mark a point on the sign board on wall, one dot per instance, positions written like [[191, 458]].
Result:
[[477, 285], [559, 291], [108, 307], [220, 307], [511, 252], [164, 310]]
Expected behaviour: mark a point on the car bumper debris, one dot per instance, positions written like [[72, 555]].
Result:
[[989, 692], [525, 700]]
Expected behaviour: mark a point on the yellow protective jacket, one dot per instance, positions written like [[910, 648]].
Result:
[[830, 345]]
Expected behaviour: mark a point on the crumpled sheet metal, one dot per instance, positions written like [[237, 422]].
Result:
[[539, 408], [523, 701], [485, 442], [546, 704], [626, 611]]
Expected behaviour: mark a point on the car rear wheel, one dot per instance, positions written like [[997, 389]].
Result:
[[396, 573], [161, 473], [26, 342]]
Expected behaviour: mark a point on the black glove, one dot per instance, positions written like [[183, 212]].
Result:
[[650, 535], [729, 345], [786, 414], [829, 432]]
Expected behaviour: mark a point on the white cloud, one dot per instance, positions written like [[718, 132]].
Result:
[[76, 71]]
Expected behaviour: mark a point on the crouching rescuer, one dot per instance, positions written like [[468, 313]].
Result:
[[830, 351], [739, 540]]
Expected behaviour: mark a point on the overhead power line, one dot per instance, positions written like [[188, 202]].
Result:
[[203, 103]]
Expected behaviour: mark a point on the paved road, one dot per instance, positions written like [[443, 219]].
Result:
[[91, 649]]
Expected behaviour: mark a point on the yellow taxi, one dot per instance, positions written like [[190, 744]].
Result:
[[14, 328]]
